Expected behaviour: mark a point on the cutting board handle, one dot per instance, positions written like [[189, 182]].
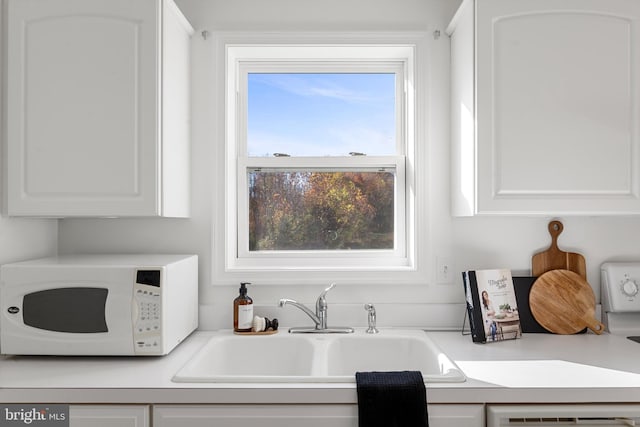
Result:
[[592, 323], [555, 228]]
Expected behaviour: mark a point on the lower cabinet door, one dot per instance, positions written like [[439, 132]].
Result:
[[109, 416], [321, 415], [457, 415]]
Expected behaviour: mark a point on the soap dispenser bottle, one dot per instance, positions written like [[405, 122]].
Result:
[[243, 310]]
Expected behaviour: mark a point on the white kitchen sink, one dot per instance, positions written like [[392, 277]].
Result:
[[232, 358], [390, 352], [293, 358]]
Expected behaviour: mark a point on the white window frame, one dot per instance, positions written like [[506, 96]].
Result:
[[282, 266]]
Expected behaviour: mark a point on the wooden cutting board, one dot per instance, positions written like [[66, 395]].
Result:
[[554, 259], [564, 303]]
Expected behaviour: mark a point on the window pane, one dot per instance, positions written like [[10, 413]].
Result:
[[312, 210], [321, 114]]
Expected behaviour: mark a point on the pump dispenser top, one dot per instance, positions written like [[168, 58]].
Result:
[[243, 288]]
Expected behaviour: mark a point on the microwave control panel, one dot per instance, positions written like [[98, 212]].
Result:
[[147, 295]]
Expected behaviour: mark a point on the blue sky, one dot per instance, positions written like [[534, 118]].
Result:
[[308, 114]]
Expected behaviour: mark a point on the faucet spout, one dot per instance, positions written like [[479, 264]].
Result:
[[304, 308]]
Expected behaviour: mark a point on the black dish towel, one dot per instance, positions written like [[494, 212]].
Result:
[[391, 399]]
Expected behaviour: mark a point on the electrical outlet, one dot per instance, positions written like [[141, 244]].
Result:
[[443, 270]]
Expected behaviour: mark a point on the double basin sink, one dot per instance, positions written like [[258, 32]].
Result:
[[294, 358]]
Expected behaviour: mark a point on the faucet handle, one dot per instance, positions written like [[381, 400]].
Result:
[[331, 286], [321, 303]]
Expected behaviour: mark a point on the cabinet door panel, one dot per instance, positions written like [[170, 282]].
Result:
[[456, 415], [108, 416], [86, 106], [251, 415], [562, 98], [548, 123]]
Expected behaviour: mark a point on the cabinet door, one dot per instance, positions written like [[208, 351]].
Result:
[[321, 415], [82, 107], [251, 415], [557, 89], [557, 94], [108, 416]]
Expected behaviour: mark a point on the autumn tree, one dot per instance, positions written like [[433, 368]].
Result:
[[321, 210]]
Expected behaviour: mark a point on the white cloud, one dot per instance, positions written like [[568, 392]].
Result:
[[314, 87]]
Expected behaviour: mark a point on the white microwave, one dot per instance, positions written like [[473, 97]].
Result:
[[109, 305]]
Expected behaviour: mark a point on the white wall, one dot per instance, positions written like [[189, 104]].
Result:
[[20, 238], [471, 243]]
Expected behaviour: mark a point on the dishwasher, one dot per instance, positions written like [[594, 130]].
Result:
[[548, 415]]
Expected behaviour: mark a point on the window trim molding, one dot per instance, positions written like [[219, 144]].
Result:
[[225, 221]]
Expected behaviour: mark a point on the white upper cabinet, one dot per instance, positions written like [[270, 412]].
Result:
[[545, 107], [97, 108]]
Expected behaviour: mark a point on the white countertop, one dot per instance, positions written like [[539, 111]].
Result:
[[547, 368], [536, 368]]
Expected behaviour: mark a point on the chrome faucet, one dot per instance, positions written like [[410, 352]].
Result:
[[319, 317], [371, 310]]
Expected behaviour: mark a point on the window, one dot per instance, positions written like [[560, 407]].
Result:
[[318, 141]]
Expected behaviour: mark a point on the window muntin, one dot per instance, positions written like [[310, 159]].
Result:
[[247, 61]]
